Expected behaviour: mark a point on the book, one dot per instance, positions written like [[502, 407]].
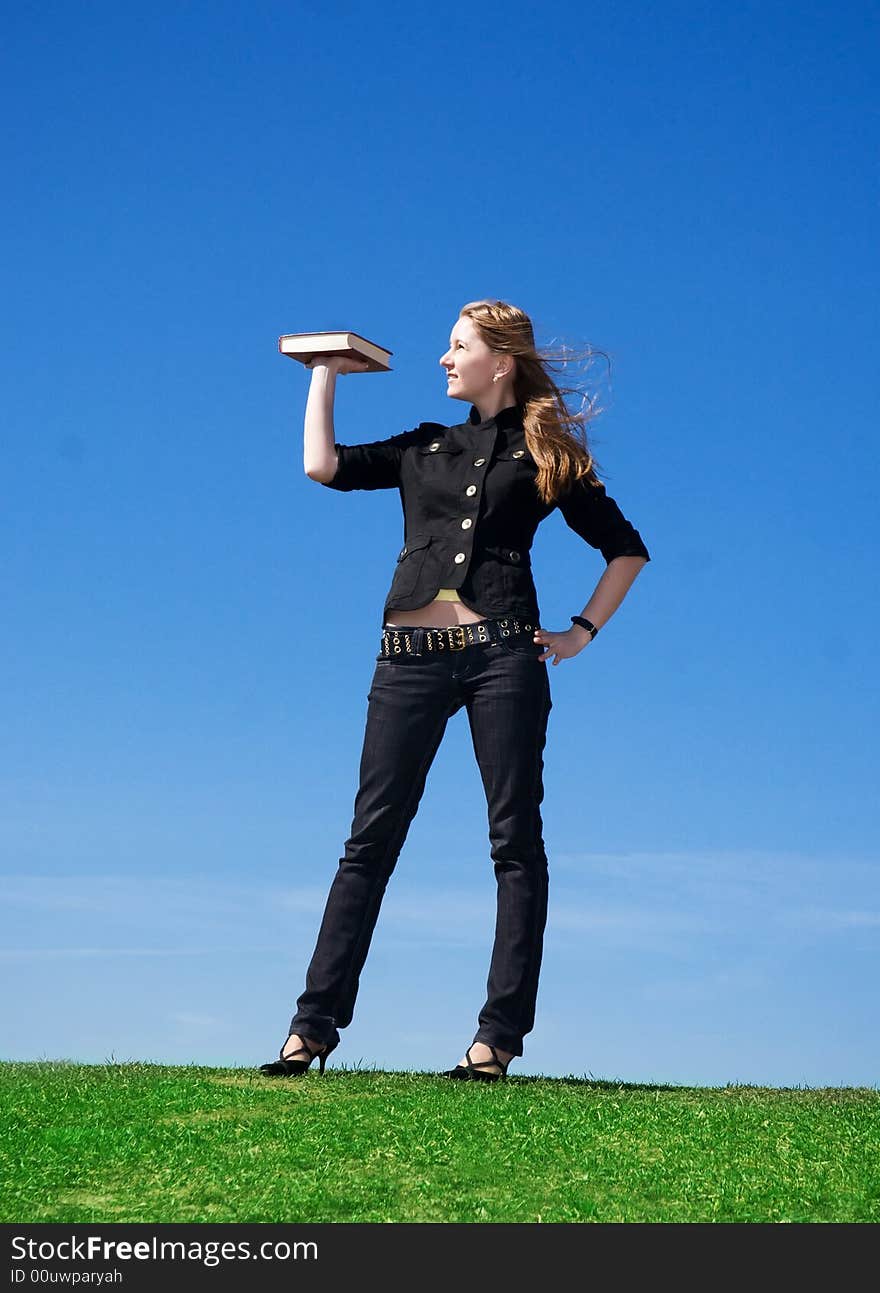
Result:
[[303, 346]]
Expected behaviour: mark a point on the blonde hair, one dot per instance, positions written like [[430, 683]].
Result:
[[556, 438]]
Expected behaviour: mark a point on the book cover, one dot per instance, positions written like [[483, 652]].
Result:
[[303, 346]]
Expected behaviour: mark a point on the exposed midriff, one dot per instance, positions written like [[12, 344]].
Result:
[[444, 611]]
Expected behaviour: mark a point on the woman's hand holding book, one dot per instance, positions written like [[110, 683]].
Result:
[[338, 363]]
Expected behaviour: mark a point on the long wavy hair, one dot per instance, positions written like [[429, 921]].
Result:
[[556, 438]]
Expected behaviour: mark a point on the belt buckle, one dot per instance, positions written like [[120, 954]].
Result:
[[457, 646]]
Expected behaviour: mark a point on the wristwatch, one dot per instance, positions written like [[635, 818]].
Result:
[[585, 624]]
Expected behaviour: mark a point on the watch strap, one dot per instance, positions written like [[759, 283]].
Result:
[[585, 624]]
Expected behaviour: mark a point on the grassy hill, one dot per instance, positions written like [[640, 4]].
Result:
[[148, 1143]]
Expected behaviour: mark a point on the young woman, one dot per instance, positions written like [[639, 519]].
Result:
[[462, 630]]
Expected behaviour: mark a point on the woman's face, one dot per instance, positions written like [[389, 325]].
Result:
[[469, 364]]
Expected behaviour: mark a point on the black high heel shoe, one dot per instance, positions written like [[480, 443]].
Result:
[[471, 1070], [286, 1066]]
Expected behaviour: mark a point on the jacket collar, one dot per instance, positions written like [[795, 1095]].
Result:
[[509, 419]]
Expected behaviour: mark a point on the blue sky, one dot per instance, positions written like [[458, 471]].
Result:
[[190, 624]]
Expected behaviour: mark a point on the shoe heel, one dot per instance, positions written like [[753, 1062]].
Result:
[[287, 1067], [322, 1058], [472, 1071]]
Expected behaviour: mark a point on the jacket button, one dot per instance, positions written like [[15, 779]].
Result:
[[459, 558], [478, 462], [471, 489], [435, 446], [518, 453], [466, 523], [514, 555]]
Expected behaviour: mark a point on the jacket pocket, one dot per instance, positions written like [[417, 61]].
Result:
[[507, 556], [438, 449], [508, 572], [410, 560], [516, 470], [515, 455]]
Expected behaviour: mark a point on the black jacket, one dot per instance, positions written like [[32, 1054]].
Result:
[[471, 511]]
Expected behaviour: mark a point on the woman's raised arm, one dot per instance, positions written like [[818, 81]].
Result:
[[319, 454]]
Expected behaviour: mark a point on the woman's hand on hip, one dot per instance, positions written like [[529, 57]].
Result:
[[565, 644]]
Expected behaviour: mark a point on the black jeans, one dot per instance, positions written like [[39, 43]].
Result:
[[506, 691]]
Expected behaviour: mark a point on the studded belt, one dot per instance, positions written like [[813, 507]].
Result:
[[422, 641]]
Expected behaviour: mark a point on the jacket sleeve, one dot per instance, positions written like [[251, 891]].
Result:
[[595, 516], [371, 466]]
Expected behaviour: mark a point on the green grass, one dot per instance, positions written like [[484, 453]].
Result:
[[147, 1143]]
